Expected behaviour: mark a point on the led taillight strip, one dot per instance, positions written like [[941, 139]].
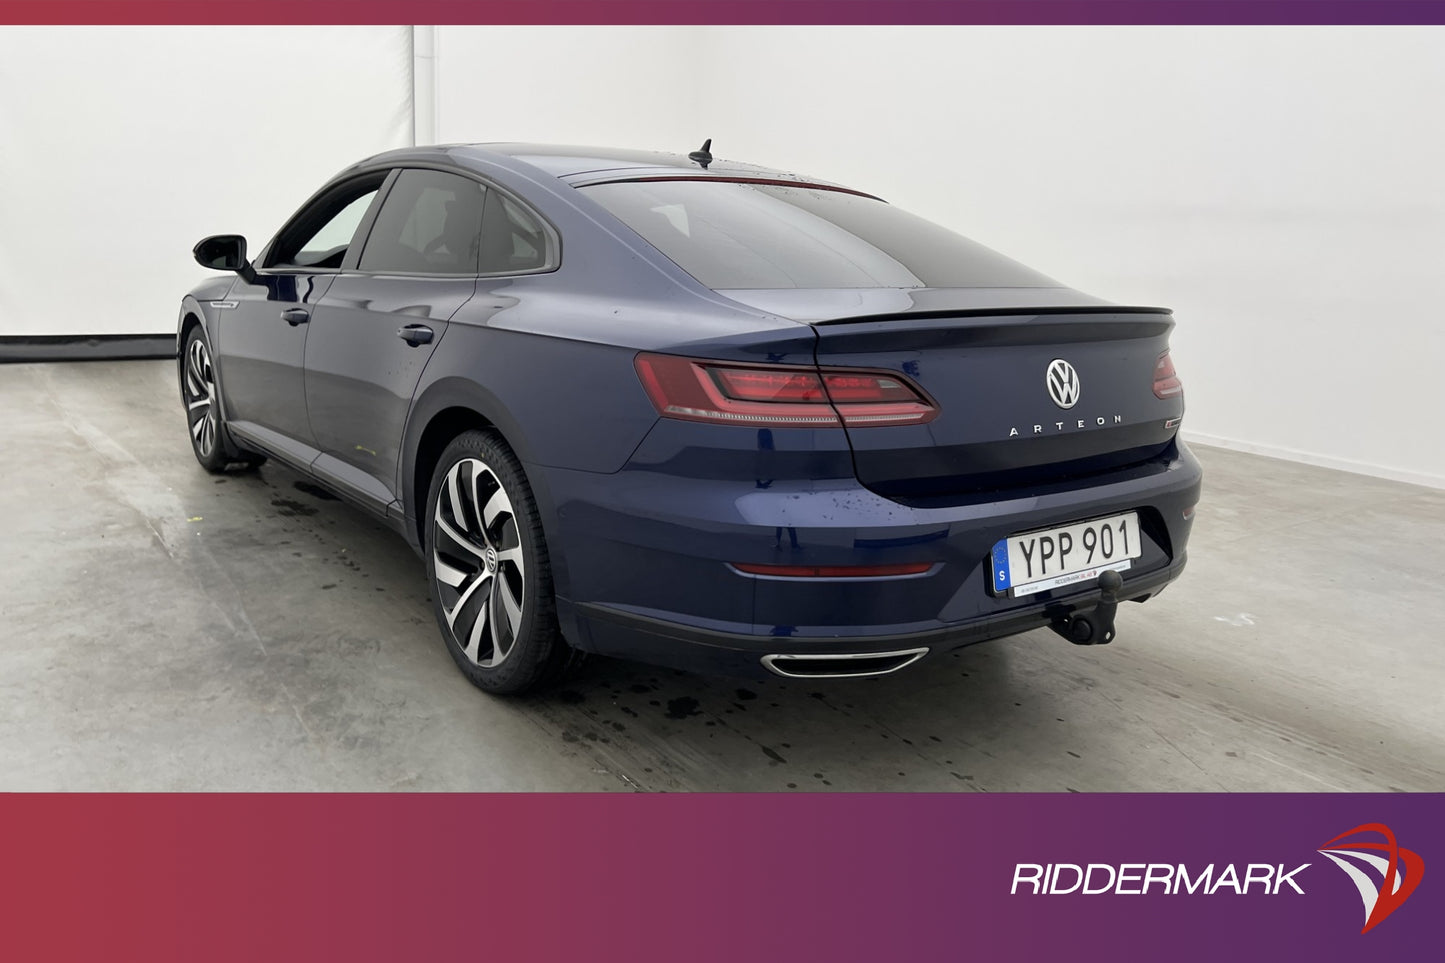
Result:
[[1166, 381], [696, 389]]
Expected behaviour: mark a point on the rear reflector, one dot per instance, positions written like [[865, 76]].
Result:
[[780, 396], [834, 571], [1166, 381]]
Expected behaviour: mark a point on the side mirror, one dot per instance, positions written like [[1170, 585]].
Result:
[[225, 252]]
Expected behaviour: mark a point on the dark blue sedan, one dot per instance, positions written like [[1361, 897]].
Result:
[[694, 412]]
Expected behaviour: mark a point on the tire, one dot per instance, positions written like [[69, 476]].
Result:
[[205, 424], [487, 563]]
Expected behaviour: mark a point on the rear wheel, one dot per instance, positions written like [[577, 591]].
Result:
[[491, 580], [209, 440]]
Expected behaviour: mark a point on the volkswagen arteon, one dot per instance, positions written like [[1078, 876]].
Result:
[[693, 412]]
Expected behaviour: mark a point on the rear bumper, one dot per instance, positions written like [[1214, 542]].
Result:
[[682, 646], [642, 569]]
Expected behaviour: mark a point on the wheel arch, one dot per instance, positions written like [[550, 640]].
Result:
[[191, 317], [440, 413]]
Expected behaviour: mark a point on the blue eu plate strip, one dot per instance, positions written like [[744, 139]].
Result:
[[1000, 565]]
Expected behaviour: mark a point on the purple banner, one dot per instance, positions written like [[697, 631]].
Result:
[[721, 878], [730, 11]]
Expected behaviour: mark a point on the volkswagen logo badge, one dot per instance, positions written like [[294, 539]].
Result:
[[1063, 382]]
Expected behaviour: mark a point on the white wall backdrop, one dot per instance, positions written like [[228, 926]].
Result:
[[607, 86], [120, 147], [1282, 189]]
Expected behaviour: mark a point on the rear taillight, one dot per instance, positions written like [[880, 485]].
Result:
[[1166, 381], [780, 396]]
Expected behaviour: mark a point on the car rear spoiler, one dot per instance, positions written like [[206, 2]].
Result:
[[994, 313]]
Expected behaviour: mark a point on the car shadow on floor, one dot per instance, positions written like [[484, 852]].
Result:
[[659, 728]]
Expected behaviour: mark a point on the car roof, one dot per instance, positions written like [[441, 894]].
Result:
[[578, 165], [570, 161]]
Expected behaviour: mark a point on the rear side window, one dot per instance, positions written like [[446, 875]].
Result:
[[731, 235], [430, 223], [513, 240]]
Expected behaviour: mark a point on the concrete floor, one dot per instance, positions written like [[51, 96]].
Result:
[[161, 629]]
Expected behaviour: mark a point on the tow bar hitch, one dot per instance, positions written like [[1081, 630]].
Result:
[[1095, 627]]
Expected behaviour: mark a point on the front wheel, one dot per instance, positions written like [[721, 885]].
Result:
[[491, 581], [207, 429]]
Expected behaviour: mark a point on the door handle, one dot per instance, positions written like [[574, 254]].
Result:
[[415, 334], [295, 316]]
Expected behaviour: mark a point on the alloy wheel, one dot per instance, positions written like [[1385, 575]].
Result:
[[201, 396], [477, 555]]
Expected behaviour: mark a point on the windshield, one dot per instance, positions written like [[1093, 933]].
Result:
[[732, 235]]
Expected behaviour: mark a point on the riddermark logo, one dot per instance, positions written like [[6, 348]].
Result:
[[1400, 871]]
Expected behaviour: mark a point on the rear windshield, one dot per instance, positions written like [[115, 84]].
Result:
[[731, 235]]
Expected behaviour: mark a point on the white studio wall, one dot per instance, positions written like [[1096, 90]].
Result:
[[120, 147], [1280, 188], [599, 86]]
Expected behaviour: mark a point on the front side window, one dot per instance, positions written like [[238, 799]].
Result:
[[430, 223], [320, 235], [732, 235]]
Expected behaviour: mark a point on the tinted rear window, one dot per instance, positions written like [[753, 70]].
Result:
[[732, 235]]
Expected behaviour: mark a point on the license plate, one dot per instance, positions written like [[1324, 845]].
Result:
[[1067, 555]]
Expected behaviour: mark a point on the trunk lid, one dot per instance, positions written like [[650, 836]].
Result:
[[1001, 425]]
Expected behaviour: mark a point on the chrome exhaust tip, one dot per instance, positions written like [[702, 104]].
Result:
[[845, 666]]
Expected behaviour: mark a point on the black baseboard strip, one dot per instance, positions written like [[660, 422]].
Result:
[[86, 347]]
